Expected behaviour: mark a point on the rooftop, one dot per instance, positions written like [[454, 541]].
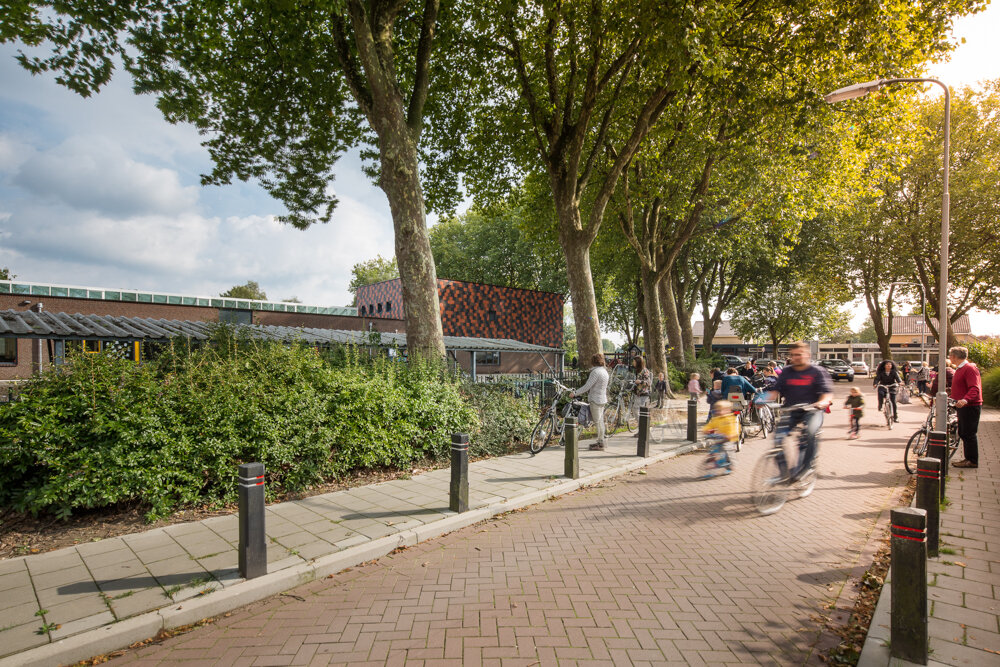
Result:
[[145, 296], [914, 324]]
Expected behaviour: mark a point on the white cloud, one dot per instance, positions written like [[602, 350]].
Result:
[[93, 173]]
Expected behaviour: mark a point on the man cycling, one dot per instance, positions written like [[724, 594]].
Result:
[[801, 383]]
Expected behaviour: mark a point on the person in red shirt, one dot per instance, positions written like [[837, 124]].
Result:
[[967, 392]]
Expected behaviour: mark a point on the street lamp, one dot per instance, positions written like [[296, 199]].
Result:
[[859, 90]]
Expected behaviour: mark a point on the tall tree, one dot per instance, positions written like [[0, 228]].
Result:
[[282, 89], [251, 290], [5, 274]]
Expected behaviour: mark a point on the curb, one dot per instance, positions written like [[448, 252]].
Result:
[[138, 628]]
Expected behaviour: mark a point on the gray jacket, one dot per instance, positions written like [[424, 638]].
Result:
[[596, 386]]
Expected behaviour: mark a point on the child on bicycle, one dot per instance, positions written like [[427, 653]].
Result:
[[854, 403], [720, 431], [712, 396]]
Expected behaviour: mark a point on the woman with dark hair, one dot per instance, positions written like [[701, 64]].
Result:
[[597, 386], [886, 374]]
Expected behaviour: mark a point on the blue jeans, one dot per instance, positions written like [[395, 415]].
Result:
[[812, 420]]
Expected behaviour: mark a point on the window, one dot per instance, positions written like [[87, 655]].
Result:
[[380, 308], [8, 351], [92, 346], [233, 316], [491, 316], [388, 306], [487, 358]]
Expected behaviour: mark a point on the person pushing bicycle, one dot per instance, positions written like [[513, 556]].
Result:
[[801, 385]]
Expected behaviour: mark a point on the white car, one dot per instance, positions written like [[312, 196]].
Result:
[[860, 367]]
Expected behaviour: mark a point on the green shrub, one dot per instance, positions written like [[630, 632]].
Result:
[[100, 431], [991, 387], [984, 353], [505, 421]]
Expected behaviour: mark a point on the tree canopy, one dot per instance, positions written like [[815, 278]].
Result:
[[251, 290], [369, 272]]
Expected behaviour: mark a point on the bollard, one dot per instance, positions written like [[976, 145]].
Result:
[[253, 546], [937, 448], [459, 472], [928, 499], [692, 433], [642, 446], [572, 467], [908, 634]]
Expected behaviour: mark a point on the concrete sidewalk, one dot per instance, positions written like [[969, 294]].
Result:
[[80, 601], [964, 580]]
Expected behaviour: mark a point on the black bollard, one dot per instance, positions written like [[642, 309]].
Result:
[[642, 447], [937, 448], [572, 467], [459, 472], [692, 433], [253, 545], [908, 634], [928, 499]]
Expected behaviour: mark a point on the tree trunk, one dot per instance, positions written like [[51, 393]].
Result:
[[710, 326], [652, 322], [581, 291], [400, 180], [672, 324]]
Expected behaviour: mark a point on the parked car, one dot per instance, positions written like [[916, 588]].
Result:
[[860, 368], [733, 361], [838, 369]]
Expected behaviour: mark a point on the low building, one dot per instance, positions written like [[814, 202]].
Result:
[[24, 349]]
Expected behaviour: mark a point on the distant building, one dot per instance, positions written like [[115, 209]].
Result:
[[483, 320]]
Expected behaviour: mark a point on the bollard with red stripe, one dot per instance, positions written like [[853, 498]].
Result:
[[928, 499], [253, 546], [937, 448], [908, 570]]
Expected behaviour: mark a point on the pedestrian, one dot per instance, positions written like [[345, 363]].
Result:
[[967, 392], [774, 369], [855, 401], [712, 396], [643, 385], [887, 375], [747, 370], [597, 389], [717, 374], [661, 389], [694, 386], [923, 379]]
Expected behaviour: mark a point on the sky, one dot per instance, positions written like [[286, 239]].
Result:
[[103, 192]]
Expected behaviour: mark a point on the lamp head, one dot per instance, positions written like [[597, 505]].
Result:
[[856, 90]]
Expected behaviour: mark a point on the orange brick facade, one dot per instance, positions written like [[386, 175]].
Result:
[[478, 311]]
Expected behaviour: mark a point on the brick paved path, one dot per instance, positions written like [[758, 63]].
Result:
[[964, 580], [645, 569]]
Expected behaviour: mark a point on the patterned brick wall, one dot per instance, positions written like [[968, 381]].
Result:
[[479, 311]]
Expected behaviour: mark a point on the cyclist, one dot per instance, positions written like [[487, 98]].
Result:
[[887, 375], [801, 383], [733, 383]]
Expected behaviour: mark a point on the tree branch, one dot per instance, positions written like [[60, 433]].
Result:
[[421, 82]]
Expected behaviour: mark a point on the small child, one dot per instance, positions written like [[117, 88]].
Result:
[[712, 396], [853, 404], [694, 387], [661, 389], [720, 431]]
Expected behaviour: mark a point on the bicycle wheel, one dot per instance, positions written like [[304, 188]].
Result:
[[887, 412], [544, 429], [750, 426], [766, 419], [631, 417], [741, 436], [916, 447], [611, 419], [953, 440], [768, 487]]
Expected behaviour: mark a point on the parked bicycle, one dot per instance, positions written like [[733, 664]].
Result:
[[916, 446], [552, 422], [620, 410], [771, 484]]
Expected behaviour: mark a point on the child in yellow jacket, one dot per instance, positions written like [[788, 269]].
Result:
[[721, 431]]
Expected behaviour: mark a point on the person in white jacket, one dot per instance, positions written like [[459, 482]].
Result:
[[596, 388]]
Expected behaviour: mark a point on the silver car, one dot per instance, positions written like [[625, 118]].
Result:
[[860, 368]]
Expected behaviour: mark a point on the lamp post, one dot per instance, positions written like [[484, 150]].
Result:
[[860, 90]]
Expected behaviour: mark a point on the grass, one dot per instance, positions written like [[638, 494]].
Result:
[[947, 551]]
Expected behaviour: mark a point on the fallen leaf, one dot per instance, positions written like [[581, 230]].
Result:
[[961, 564]]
